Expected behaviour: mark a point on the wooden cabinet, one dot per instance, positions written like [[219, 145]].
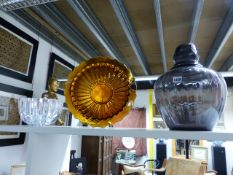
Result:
[[98, 153]]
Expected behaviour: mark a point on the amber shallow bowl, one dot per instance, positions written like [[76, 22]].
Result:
[[100, 92]]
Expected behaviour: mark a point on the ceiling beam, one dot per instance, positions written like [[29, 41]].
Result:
[[124, 19], [86, 45], [159, 23], [228, 64], [82, 9], [33, 25], [223, 34], [57, 20], [196, 20]]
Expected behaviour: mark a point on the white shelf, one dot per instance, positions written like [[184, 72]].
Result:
[[123, 132]]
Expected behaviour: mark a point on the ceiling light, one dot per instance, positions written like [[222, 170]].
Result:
[[146, 78], [227, 74], [9, 5], [155, 77]]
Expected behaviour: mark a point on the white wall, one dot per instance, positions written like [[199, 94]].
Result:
[[17, 154], [142, 101]]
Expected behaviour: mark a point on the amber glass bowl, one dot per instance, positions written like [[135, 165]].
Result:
[[100, 92]]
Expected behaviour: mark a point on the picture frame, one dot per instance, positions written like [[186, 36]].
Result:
[[9, 114], [130, 157], [121, 155], [17, 45], [199, 153], [178, 146], [159, 124], [58, 69]]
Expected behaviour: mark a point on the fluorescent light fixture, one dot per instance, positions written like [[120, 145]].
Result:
[[62, 79], [146, 78], [9, 5], [227, 74], [155, 77]]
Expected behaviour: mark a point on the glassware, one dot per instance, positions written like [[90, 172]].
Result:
[[100, 92], [39, 111], [190, 96]]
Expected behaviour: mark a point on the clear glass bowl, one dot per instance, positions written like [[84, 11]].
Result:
[[39, 111]]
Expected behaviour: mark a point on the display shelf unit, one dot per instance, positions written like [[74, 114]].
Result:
[[48, 146], [124, 132]]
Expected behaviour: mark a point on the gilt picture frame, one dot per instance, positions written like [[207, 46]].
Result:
[[18, 52], [9, 96], [58, 69]]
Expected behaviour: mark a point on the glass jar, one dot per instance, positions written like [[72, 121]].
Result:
[[190, 96]]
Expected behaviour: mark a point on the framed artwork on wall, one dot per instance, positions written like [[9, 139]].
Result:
[[17, 52], [9, 114], [59, 69], [121, 155], [178, 146], [199, 153]]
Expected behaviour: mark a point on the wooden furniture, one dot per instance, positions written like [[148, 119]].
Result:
[[181, 166], [98, 153], [157, 170], [132, 169]]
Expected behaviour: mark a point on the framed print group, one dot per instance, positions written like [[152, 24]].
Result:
[[9, 114], [17, 52], [58, 69]]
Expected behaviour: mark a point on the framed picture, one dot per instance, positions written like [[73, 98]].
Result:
[[159, 124], [199, 153], [17, 52], [9, 114], [130, 157], [178, 147], [121, 155], [59, 69]]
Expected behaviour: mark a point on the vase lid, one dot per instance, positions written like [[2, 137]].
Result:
[[186, 54]]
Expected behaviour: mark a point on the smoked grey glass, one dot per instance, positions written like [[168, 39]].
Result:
[[39, 111], [190, 96]]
